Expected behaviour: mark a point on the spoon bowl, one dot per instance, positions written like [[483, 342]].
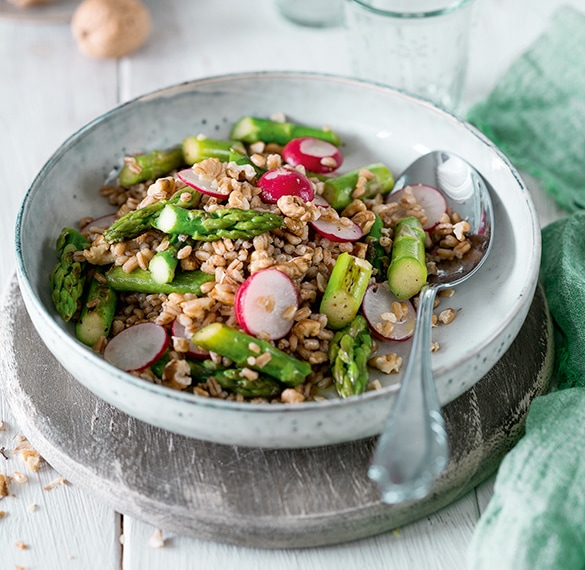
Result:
[[413, 450]]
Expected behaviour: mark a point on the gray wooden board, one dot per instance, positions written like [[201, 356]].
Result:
[[246, 496]]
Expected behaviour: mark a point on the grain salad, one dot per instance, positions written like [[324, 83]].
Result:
[[255, 268]]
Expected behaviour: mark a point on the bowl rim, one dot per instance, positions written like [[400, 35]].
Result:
[[215, 403]]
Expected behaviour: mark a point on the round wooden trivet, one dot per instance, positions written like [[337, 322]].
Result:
[[254, 497]]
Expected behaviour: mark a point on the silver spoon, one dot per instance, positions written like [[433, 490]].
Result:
[[413, 449]]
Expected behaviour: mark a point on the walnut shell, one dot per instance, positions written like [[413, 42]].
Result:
[[110, 28]]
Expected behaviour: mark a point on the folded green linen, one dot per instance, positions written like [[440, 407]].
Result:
[[536, 113], [536, 518]]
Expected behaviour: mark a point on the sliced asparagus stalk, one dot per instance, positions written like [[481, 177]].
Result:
[[138, 221], [143, 167], [222, 223], [349, 352], [345, 290], [159, 366], [164, 263], [408, 271], [97, 312], [68, 277], [338, 191], [142, 281], [248, 351], [196, 149], [240, 158], [253, 129]]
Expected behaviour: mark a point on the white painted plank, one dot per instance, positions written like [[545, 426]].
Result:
[[58, 527], [204, 38], [434, 543], [47, 91]]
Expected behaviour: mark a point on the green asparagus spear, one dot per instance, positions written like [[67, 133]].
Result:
[[222, 223], [97, 312], [155, 164], [232, 379], [338, 191], [67, 279], [349, 352], [201, 370], [345, 290], [376, 254], [138, 221], [253, 129], [196, 149], [141, 281], [248, 351], [408, 271]]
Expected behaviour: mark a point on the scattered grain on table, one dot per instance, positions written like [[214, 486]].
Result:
[[156, 540]]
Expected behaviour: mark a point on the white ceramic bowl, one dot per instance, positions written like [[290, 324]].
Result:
[[375, 123]]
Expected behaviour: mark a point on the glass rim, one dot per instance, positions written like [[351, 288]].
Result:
[[414, 14]]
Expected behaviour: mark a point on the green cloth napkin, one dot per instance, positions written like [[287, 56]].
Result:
[[536, 113], [536, 517]]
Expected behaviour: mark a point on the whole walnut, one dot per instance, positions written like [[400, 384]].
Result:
[[27, 3], [110, 28]]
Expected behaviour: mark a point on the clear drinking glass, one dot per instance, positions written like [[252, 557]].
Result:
[[313, 13], [420, 46]]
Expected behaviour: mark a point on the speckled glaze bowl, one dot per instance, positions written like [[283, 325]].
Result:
[[376, 123]]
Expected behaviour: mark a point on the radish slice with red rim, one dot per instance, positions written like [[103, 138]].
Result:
[[207, 186], [314, 154], [137, 347], [339, 229], [281, 181], [266, 303], [388, 321], [194, 351], [429, 198], [104, 221], [318, 200]]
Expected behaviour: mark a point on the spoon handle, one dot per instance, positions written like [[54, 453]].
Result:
[[413, 449]]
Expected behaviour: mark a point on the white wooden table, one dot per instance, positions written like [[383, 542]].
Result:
[[47, 91]]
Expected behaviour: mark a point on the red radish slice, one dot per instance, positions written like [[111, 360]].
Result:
[[377, 304], [137, 347], [285, 182], [314, 154], [431, 200], [102, 222], [178, 330], [265, 304], [318, 200], [340, 229], [204, 185]]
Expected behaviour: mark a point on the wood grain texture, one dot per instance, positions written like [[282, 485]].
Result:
[[247, 496], [63, 527]]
